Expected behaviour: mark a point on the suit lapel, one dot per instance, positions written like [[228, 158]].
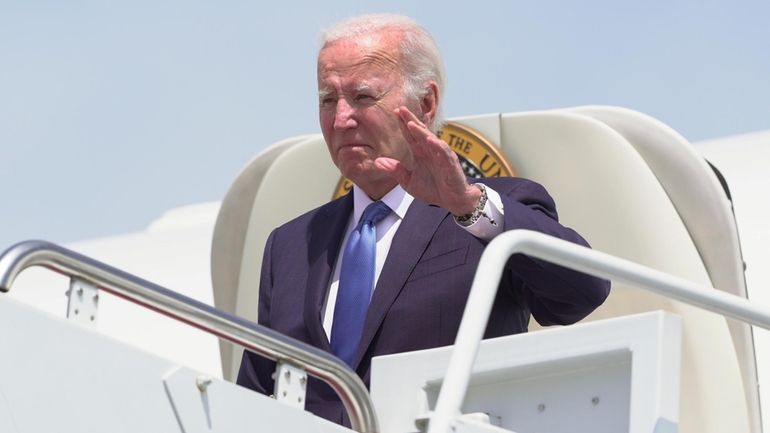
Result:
[[326, 231], [409, 243]]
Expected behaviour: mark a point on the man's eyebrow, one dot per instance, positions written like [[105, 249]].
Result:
[[323, 93], [362, 87]]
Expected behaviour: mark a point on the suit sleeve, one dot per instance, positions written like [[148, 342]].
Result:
[[555, 295], [255, 371]]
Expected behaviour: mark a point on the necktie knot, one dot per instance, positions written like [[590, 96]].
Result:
[[374, 213]]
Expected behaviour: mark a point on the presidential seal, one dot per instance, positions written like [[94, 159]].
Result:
[[478, 156]]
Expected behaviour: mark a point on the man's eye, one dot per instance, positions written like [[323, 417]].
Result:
[[364, 98], [327, 101]]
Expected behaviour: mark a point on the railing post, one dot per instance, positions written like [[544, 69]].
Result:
[[83, 302], [290, 385]]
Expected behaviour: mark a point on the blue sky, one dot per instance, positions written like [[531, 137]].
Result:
[[113, 112]]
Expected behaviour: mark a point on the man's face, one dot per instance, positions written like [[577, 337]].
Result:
[[359, 86]]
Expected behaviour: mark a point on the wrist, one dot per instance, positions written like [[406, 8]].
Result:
[[477, 212], [471, 199]]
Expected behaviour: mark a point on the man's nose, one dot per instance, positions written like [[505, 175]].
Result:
[[344, 117]]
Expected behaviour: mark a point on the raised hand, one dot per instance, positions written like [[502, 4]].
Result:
[[434, 175]]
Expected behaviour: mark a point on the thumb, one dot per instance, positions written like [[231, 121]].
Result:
[[393, 168]]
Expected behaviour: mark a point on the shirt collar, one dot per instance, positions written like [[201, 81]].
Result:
[[397, 199]]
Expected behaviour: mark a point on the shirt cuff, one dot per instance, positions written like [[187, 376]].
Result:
[[487, 228]]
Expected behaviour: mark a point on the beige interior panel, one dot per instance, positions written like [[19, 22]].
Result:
[[605, 190], [706, 212]]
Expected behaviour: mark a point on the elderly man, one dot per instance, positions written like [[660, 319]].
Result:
[[388, 267]]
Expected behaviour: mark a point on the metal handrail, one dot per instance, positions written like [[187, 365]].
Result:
[[252, 336], [569, 255]]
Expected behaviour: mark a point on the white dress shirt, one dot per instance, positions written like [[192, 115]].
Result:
[[399, 201]]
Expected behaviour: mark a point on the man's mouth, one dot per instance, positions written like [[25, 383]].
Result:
[[352, 146]]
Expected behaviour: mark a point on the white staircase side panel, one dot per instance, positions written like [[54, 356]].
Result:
[[612, 375], [57, 375]]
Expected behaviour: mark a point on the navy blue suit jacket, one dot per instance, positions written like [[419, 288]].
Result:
[[421, 293]]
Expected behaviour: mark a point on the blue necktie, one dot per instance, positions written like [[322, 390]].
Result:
[[356, 279]]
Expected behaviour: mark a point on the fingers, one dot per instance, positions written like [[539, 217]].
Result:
[[422, 141], [412, 128], [433, 173], [404, 126], [407, 116]]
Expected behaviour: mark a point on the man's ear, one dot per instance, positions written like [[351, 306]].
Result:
[[429, 103]]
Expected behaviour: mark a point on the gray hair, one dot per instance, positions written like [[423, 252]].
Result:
[[420, 56]]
